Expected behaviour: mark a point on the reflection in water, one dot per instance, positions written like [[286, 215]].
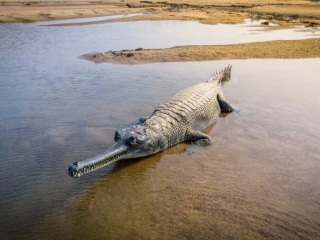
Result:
[[259, 179]]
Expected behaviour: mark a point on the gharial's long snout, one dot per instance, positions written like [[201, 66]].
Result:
[[115, 153], [132, 142]]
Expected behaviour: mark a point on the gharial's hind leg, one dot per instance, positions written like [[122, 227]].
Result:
[[227, 107], [224, 105]]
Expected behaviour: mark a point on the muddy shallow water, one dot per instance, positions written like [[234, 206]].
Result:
[[259, 180]]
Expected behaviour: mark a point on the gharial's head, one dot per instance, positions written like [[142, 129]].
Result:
[[132, 142], [138, 140]]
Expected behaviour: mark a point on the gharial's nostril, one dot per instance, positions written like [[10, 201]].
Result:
[[75, 163]]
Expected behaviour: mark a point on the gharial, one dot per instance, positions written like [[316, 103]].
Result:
[[183, 118]]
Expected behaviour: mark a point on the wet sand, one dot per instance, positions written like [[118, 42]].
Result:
[[263, 50]]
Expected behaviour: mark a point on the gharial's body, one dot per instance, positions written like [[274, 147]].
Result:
[[183, 118]]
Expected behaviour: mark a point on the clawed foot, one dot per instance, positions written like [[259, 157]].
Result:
[[199, 145], [193, 148], [203, 142]]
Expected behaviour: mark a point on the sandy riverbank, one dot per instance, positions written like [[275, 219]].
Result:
[[284, 13], [290, 12], [264, 50], [12, 11]]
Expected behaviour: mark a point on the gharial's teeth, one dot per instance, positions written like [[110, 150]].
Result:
[[94, 166]]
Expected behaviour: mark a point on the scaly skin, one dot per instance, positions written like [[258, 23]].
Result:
[[183, 118]]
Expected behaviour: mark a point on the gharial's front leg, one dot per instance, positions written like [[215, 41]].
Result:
[[198, 138], [143, 119], [199, 141]]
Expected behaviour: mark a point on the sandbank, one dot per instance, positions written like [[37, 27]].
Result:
[[288, 49], [285, 13]]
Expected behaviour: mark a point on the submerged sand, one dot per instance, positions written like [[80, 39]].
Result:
[[258, 181]]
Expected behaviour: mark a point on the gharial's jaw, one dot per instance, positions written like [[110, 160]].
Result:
[[115, 153], [135, 141]]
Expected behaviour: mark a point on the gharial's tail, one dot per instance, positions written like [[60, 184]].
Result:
[[222, 76]]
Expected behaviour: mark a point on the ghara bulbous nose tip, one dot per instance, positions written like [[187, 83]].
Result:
[[73, 169]]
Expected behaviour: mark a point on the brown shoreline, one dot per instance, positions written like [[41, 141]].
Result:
[[283, 12], [286, 49], [54, 10], [286, 13]]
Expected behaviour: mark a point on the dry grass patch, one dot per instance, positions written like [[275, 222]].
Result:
[[311, 9], [156, 14], [200, 10], [34, 13], [238, 2]]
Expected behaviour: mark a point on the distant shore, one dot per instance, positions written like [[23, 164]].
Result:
[[288, 49], [285, 13]]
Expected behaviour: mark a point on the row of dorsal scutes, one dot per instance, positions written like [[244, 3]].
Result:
[[171, 127], [218, 76], [187, 101], [196, 96], [183, 110]]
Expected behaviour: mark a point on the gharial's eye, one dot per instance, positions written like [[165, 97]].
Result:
[[117, 135], [133, 140], [141, 138]]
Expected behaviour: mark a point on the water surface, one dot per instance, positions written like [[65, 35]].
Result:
[[259, 180]]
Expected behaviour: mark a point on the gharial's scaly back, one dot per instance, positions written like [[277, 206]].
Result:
[[221, 77], [182, 118]]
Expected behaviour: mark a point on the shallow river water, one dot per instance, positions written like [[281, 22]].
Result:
[[259, 180]]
